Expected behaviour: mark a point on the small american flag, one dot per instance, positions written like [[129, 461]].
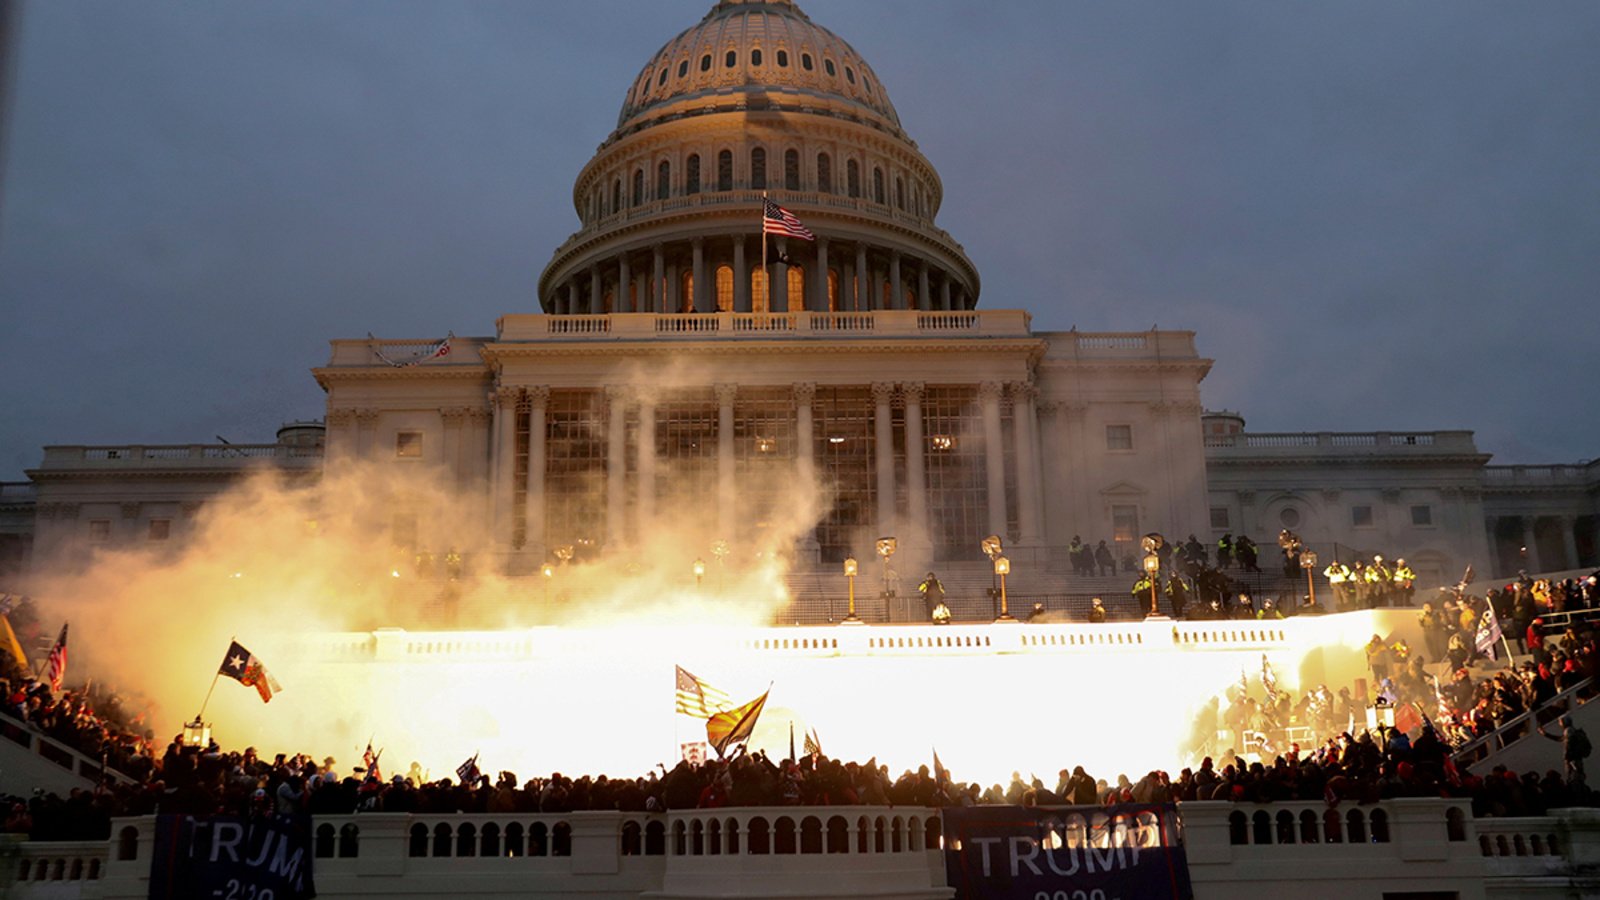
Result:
[[56, 663], [777, 220]]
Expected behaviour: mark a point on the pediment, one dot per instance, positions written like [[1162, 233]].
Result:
[[1123, 489]]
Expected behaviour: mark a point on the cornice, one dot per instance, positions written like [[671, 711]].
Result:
[[325, 374], [500, 352]]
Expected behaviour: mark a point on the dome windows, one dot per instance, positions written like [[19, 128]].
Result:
[[852, 172], [758, 168], [663, 180], [691, 174], [732, 59], [824, 173], [725, 170], [755, 57], [791, 170], [849, 74], [660, 82], [805, 62], [683, 68], [705, 63], [827, 66], [638, 187], [877, 186], [783, 59]]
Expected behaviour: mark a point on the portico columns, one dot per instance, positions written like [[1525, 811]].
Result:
[[654, 297], [572, 295], [702, 294], [863, 284], [883, 441], [916, 475], [616, 464], [533, 541], [1569, 540], [778, 280], [624, 276], [647, 466], [725, 489], [596, 291], [923, 300], [1532, 545], [505, 459], [993, 455], [896, 295], [1023, 419], [819, 282]]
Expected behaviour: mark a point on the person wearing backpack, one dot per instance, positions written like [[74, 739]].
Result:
[[1575, 748]]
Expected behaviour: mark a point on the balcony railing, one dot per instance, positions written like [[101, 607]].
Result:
[[758, 325], [205, 455], [1374, 442]]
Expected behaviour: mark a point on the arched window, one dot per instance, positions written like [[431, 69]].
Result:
[[638, 187], [491, 840], [683, 68], [758, 168], [852, 177], [877, 185], [783, 59], [805, 62], [899, 192], [663, 79], [127, 844], [833, 290], [1308, 827], [827, 65], [467, 840], [811, 834], [791, 170], [783, 836], [725, 170], [755, 56], [849, 74], [732, 59], [322, 847], [349, 841], [724, 289], [655, 839], [514, 844], [691, 174], [758, 292], [705, 63], [441, 840], [686, 291], [419, 841], [616, 195], [797, 287], [1261, 828], [663, 180], [760, 837], [824, 173], [1238, 828]]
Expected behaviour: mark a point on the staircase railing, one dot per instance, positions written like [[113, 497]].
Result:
[[1524, 724]]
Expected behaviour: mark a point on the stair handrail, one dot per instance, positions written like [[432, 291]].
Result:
[[1480, 748]]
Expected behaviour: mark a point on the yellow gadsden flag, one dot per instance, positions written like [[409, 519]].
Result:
[[724, 729], [9, 644]]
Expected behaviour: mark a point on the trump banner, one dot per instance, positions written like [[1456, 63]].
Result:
[[232, 858], [1120, 852]]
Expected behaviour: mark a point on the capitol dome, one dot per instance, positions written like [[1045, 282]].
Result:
[[753, 101]]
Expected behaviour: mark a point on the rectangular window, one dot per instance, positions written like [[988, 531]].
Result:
[[160, 529], [1219, 517], [1124, 523], [1119, 437], [1422, 516], [1361, 516], [408, 445], [99, 529]]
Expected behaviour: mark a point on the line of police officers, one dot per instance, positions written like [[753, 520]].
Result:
[[1370, 585]]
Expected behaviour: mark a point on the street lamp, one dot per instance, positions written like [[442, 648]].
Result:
[[196, 734], [548, 570], [886, 547], [1152, 569], [699, 571], [851, 568], [1002, 567], [1308, 561]]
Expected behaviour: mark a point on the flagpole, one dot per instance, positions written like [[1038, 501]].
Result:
[[232, 639], [765, 276]]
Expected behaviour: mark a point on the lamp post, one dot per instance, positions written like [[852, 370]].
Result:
[[851, 568], [886, 547], [699, 571], [196, 734], [1152, 570], [719, 549], [1308, 561], [548, 570], [1002, 567]]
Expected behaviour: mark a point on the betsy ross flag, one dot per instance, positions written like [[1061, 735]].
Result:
[[242, 666], [698, 699], [1488, 633], [725, 729], [468, 771], [55, 665], [777, 220]]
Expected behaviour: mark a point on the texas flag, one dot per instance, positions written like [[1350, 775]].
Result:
[[242, 666]]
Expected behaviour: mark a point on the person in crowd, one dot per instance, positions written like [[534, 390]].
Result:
[[1575, 748], [1225, 551], [1247, 554], [932, 592], [1403, 583], [1097, 611], [1104, 561]]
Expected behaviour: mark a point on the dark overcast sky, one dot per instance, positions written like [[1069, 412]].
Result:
[[1377, 215]]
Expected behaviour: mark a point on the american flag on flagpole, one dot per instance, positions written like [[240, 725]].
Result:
[[777, 220], [55, 664], [698, 699]]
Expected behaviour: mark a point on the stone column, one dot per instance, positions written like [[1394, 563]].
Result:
[[1534, 564], [533, 499], [778, 280], [994, 455], [596, 291], [883, 440], [616, 464], [624, 278], [896, 295], [725, 488], [505, 460], [741, 277], [944, 292], [864, 299], [672, 291], [572, 295], [819, 281], [847, 288], [923, 300], [647, 466], [1569, 540], [654, 297], [702, 292], [1028, 482], [916, 463]]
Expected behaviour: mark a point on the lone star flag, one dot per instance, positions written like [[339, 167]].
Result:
[[777, 220], [242, 666], [698, 699], [725, 729]]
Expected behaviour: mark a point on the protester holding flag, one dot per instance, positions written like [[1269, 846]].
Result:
[[242, 666]]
